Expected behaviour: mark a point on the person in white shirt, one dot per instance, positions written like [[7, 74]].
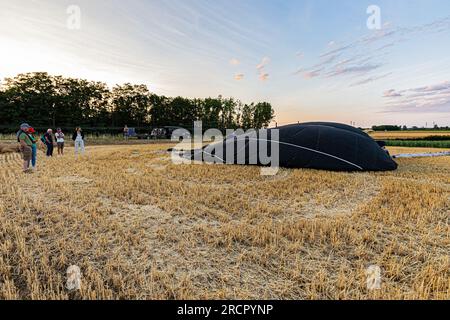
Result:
[[59, 135], [78, 138]]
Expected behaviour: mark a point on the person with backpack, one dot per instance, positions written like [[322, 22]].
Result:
[[25, 146], [78, 138], [47, 138]]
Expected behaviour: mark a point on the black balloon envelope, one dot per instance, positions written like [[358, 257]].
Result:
[[318, 145]]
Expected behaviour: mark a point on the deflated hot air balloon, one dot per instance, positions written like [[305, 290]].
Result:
[[318, 145]]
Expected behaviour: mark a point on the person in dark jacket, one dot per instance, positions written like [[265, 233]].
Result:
[[49, 141], [78, 138]]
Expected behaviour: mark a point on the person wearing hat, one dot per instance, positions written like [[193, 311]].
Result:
[[26, 145]]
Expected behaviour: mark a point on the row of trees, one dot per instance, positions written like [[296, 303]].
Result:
[[404, 128], [50, 101]]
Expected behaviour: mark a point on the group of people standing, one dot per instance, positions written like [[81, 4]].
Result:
[[26, 136], [48, 139]]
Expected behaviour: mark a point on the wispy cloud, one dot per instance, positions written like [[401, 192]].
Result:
[[337, 50], [235, 62], [386, 46], [391, 93], [366, 54], [432, 98], [370, 80], [437, 88], [238, 76], [265, 61], [263, 76], [315, 71], [354, 70], [328, 59], [312, 74], [377, 36], [436, 26]]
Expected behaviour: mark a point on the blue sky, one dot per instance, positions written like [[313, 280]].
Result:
[[313, 60]]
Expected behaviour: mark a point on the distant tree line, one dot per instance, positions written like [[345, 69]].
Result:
[[386, 128], [405, 128], [55, 101]]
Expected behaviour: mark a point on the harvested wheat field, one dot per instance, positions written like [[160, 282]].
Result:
[[408, 134], [140, 227]]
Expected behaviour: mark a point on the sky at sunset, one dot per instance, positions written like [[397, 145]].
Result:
[[312, 59]]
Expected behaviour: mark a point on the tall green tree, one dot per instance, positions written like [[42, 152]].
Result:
[[247, 116], [31, 96], [212, 108], [183, 112], [131, 105], [160, 108], [263, 114], [228, 114], [5, 112]]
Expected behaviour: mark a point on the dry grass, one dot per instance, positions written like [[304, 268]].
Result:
[[408, 134], [140, 227]]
